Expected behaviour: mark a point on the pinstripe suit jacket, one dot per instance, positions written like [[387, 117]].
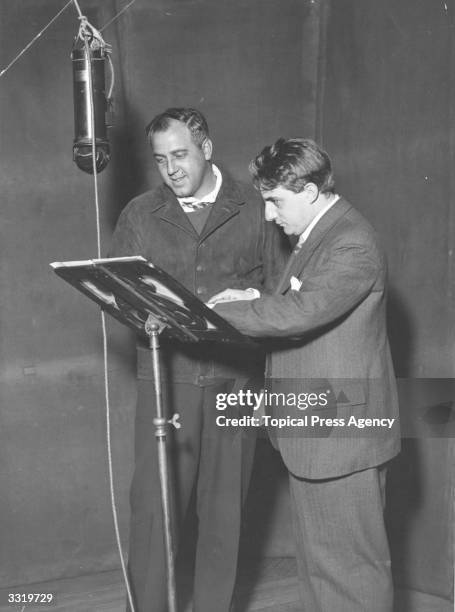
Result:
[[332, 337]]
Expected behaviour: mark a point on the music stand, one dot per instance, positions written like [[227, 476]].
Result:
[[145, 298]]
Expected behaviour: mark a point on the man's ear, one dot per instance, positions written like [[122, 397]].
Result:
[[313, 190], [207, 149]]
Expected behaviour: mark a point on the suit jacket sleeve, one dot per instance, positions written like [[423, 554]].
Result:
[[347, 275]]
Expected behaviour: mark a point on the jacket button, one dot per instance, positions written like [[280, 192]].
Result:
[[199, 268], [200, 290]]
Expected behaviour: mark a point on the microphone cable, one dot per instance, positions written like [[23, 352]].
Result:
[[87, 31]]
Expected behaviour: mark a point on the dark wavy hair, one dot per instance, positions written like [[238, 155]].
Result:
[[192, 118], [292, 164]]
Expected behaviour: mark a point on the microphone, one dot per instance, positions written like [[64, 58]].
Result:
[[87, 57]]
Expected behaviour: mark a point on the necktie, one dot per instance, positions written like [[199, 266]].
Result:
[[192, 206]]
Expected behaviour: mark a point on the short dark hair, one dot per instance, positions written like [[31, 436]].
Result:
[[192, 118], [292, 164]]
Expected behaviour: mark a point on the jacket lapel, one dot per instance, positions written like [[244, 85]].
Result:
[[284, 281], [221, 212], [170, 211], [227, 205], [299, 258]]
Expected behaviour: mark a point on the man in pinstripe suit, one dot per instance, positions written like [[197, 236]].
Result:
[[328, 315]]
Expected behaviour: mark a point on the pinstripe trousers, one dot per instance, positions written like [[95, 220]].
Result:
[[342, 549]]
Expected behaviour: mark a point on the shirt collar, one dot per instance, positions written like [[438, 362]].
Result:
[[211, 196], [304, 236]]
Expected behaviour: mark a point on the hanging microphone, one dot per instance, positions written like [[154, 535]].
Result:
[[89, 57]]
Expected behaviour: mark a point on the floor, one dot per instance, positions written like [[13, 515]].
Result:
[[268, 586]]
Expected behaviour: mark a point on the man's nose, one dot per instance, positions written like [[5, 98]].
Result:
[[171, 167], [270, 211]]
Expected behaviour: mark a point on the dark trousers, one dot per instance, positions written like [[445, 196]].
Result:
[[215, 460]]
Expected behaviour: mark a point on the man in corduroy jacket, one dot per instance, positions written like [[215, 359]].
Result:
[[208, 231]]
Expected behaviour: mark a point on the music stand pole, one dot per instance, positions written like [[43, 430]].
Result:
[[153, 328]]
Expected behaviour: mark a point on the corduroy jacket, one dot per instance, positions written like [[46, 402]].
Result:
[[237, 248]]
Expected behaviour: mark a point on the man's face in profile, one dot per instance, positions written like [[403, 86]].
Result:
[[293, 212], [183, 164]]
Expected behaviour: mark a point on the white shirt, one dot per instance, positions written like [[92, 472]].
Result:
[[210, 198]]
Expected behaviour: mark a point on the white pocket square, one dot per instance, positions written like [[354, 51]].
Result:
[[295, 283]]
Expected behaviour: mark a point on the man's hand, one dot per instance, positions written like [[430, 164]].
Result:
[[233, 295]]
